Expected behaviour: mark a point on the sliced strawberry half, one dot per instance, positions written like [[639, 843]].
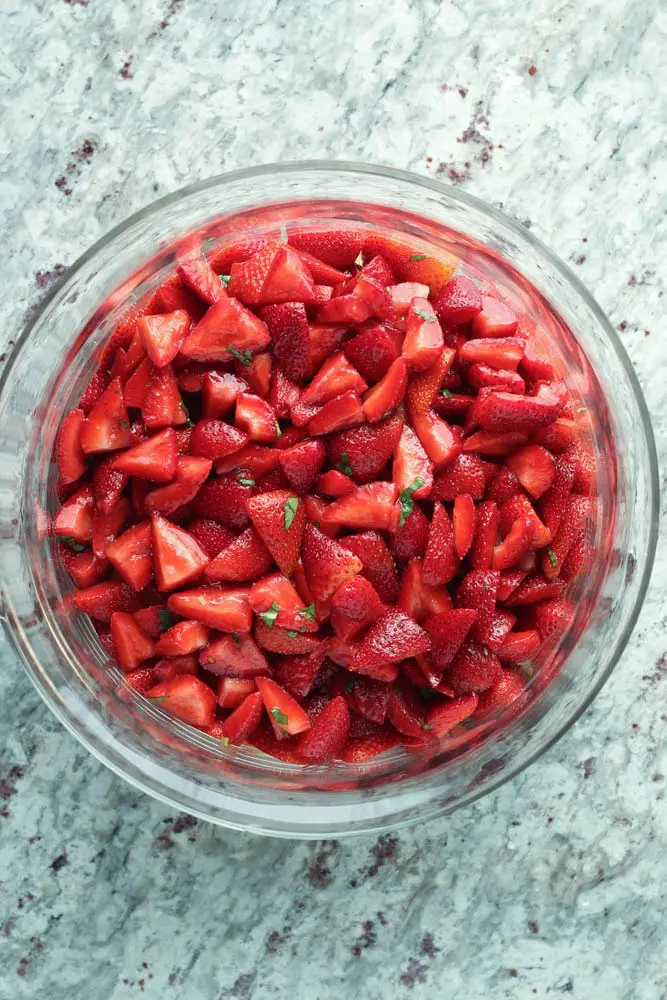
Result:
[[70, 455], [326, 563], [107, 527], [335, 377], [328, 735], [131, 645], [290, 335], [486, 535], [163, 335], [131, 555], [378, 564], [228, 330], [245, 558], [224, 498], [236, 655], [234, 690], [458, 301], [417, 598], [74, 520], [388, 393], [362, 452], [215, 439], [474, 669], [101, 600], [423, 336], [343, 411], [517, 647], [441, 562], [478, 590], [285, 714], [370, 506], [222, 608], [441, 442], [107, 426], [187, 698], [443, 717], [279, 517], [464, 521], [534, 467], [302, 463], [448, 631], [465, 474], [155, 459], [494, 320], [177, 556], [197, 274], [183, 638], [412, 470], [393, 637], [276, 601], [373, 350], [355, 605]]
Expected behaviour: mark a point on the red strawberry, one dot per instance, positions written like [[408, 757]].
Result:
[[101, 600], [215, 439], [370, 698], [277, 602], [250, 464], [106, 527], [343, 411], [370, 506], [288, 326], [406, 711], [440, 562], [441, 442], [486, 535], [442, 717], [412, 471], [223, 499], [297, 673], [478, 590], [285, 715], [474, 669], [280, 519], [535, 589], [495, 319], [244, 558], [509, 581], [374, 293], [334, 484], [300, 414], [349, 309], [393, 637], [458, 301], [86, 568], [559, 436], [417, 598], [503, 486], [487, 443], [222, 258], [335, 377], [256, 417], [410, 538], [410, 265], [172, 296], [163, 335], [364, 747], [183, 638], [107, 426], [553, 617], [576, 512], [219, 393], [249, 277], [222, 608], [71, 457], [520, 506], [464, 475], [237, 655], [464, 521], [93, 390], [243, 721], [228, 330], [519, 646], [500, 412], [153, 620], [191, 472], [338, 248], [448, 631], [534, 468], [302, 463], [452, 405], [403, 294], [501, 625], [196, 272], [132, 555], [326, 563], [187, 698], [328, 735], [141, 680], [234, 690], [578, 557], [155, 459], [137, 384], [177, 556], [162, 405], [354, 606], [258, 373], [511, 686], [554, 500], [131, 645], [516, 544], [483, 376], [372, 351], [362, 452], [388, 393], [75, 517], [322, 273], [495, 352], [324, 339], [378, 566], [284, 641], [423, 336], [212, 537], [423, 389]]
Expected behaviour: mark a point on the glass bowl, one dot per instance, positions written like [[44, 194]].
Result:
[[239, 787]]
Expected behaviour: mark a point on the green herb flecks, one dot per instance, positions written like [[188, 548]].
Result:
[[71, 544], [291, 508], [166, 621], [269, 617], [418, 256], [242, 479], [279, 716], [423, 314], [224, 740], [344, 464], [243, 357], [553, 558], [406, 499], [295, 633], [159, 698], [236, 638], [447, 393], [225, 278], [309, 612], [278, 429]]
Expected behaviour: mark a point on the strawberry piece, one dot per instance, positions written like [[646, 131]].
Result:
[[163, 335], [378, 566], [243, 721], [197, 274], [349, 309], [487, 443], [162, 405], [376, 296], [224, 499], [324, 339], [503, 486], [534, 467], [464, 521], [516, 544], [584, 477], [136, 386], [406, 711], [448, 631], [554, 616], [482, 376], [354, 606], [251, 463], [410, 265], [417, 598], [535, 589], [248, 278], [370, 506], [155, 459], [343, 411], [277, 602], [93, 390], [423, 389], [131, 646], [279, 518], [441, 442], [578, 557], [495, 319], [372, 351], [172, 296], [210, 535], [410, 538], [326, 563], [86, 568], [285, 714], [74, 520], [177, 556], [478, 590], [220, 392], [245, 558], [107, 427], [576, 512], [486, 535], [362, 748], [284, 641], [473, 670], [222, 258], [464, 475], [338, 248], [511, 686], [234, 690], [393, 637], [323, 274], [519, 646], [452, 405], [228, 330], [520, 506], [300, 414], [328, 735], [222, 608], [441, 563], [187, 698], [297, 674], [441, 718], [258, 373], [500, 412], [555, 499], [334, 484], [335, 377], [256, 417], [215, 439], [302, 463], [403, 294], [237, 655], [458, 301], [107, 526], [284, 394], [499, 353], [290, 335], [559, 436], [120, 339], [70, 455], [153, 620], [423, 336], [363, 452], [370, 698], [131, 554], [289, 280], [412, 470], [101, 600], [535, 366], [141, 680], [509, 581], [183, 638], [501, 625], [191, 472], [171, 666]]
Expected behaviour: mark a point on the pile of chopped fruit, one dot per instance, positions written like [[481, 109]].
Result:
[[324, 496]]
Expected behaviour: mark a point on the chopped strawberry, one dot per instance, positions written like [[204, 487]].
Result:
[[107, 526], [191, 472], [250, 464], [328, 735], [183, 638], [177, 556], [370, 506], [334, 484], [464, 521], [234, 690], [285, 714], [354, 606], [376, 296], [511, 686], [533, 590], [155, 459], [162, 405], [372, 350], [362, 452], [486, 534], [575, 514], [349, 309], [187, 698], [338, 248], [74, 520], [409, 264], [473, 670], [442, 717], [86, 568], [101, 600], [441, 442], [501, 625], [534, 468], [326, 563], [284, 641], [378, 565], [141, 680], [256, 417], [335, 377], [495, 319], [94, 390], [323, 338], [131, 554], [517, 542], [258, 373], [290, 334], [440, 561], [483, 376], [478, 590], [228, 330], [236, 655], [559, 436], [343, 411], [364, 747], [403, 294], [519, 506], [517, 647], [423, 388], [279, 518], [500, 412], [163, 335], [410, 538], [222, 608], [223, 499], [107, 427], [503, 486], [448, 631], [554, 500], [212, 537], [219, 393], [393, 637], [554, 616], [215, 439], [488, 443], [196, 272], [245, 558], [458, 301], [243, 721], [495, 352], [297, 674], [277, 602], [417, 598], [222, 258], [131, 645], [465, 474], [412, 471], [509, 581], [71, 456], [423, 336], [302, 463]]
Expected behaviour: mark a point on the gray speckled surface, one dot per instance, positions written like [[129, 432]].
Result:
[[553, 885]]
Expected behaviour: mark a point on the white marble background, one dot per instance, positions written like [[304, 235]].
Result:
[[555, 884]]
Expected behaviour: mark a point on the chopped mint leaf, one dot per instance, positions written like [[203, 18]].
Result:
[[243, 479], [406, 499], [487, 587], [553, 558], [295, 633], [418, 256], [425, 726], [344, 464], [243, 357], [210, 659], [226, 278], [316, 523], [269, 617], [360, 259], [278, 429], [166, 621], [423, 314], [159, 698], [291, 508], [224, 740], [309, 612], [447, 393], [279, 716], [237, 639], [124, 424], [71, 544]]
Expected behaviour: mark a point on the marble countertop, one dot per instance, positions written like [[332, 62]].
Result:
[[554, 884]]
